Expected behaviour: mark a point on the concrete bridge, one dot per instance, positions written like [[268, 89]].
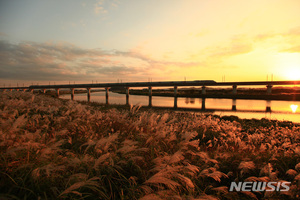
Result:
[[175, 84]]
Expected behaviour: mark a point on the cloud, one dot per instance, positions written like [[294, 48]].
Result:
[[34, 61], [288, 41], [216, 55], [293, 39], [3, 34], [293, 49], [49, 61], [99, 8], [232, 50], [294, 31], [155, 63]]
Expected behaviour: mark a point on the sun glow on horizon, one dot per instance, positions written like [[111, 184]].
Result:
[[288, 65], [293, 73]]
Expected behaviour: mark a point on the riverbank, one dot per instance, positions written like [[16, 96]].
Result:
[[61, 149]]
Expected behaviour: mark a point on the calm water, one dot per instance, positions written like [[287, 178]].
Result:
[[281, 110]]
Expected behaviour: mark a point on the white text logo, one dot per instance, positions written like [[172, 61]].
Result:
[[259, 186]]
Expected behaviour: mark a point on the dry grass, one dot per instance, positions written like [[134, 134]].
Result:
[[54, 149]]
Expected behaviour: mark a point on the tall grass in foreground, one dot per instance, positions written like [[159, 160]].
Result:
[[54, 149]]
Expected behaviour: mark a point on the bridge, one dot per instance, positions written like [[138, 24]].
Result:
[[175, 84]]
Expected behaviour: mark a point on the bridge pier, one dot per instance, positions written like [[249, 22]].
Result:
[[127, 95], [72, 93], [203, 90], [269, 89], [234, 89], [106, 95], [175, 96], [150, 96], [88, 91], [57, 92]]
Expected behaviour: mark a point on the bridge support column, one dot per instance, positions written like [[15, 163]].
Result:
[[175, 96], [106, 94], [127, 95], [233, 105], [57, 92], [72, 93], [203, 91], [234, 89], [150, 96], [88, 91], [269, 89]]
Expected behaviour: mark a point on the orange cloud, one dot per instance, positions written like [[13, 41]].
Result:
[[63, 61]]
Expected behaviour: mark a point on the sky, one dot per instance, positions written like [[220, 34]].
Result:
[[84, 41]]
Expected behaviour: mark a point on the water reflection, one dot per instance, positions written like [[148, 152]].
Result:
[[189, 100], [268, 107], [233, 105], [203, 104], [294, 108], [192, 101], [283, 110]]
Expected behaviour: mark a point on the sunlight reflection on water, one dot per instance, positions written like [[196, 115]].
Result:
[[287, 110], [294, 108]]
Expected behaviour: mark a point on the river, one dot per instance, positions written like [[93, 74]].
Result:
[[281, 110]]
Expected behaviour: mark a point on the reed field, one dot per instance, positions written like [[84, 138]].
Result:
[[61, 149]]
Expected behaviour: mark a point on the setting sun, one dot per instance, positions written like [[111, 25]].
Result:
[[293, 73], [288, 64]]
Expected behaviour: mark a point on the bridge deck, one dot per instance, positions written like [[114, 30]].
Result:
[[159, 84]]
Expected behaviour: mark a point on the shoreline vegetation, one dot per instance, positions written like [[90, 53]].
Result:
[[278, 93], [61, 149]]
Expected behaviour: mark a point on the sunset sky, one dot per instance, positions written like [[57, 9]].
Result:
[[44, 41]]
